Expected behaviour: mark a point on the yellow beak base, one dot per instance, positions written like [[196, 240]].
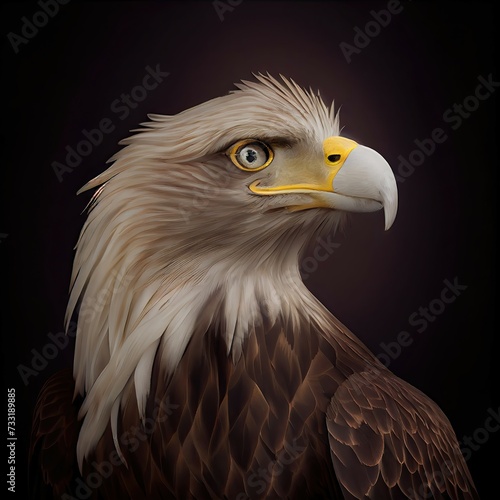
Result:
[[336, 149]]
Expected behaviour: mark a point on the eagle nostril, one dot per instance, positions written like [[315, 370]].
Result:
[[333, 158]]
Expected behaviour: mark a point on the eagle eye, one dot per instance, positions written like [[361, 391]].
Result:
[[251, 155]]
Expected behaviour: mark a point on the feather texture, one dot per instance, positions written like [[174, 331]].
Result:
[[204, 368], [408, 448], [165, 234]]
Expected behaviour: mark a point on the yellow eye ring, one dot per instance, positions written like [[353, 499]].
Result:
[[254, 151]]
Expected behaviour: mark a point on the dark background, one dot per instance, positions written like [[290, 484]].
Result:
[[394, 91]]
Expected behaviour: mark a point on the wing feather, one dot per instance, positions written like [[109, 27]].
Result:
[[388, 440], [53, 438]]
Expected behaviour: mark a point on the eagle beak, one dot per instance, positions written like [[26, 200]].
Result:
[[350, 177], [367, 183]]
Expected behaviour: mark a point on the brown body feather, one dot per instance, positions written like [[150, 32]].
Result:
[[54, 436], [303, 415], [206, 367]]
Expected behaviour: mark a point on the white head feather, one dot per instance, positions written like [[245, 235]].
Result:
[[173, 227]]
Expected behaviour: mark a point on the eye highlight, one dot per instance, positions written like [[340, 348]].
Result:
[[251, 155]]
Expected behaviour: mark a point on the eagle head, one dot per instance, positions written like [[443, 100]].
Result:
[[201, 219]]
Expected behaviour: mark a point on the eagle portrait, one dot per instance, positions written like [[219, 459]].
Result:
[[204, 368]]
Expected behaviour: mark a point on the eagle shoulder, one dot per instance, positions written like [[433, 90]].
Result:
[[389, 441], [53, 438]]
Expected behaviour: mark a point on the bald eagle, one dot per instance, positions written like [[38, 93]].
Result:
[[204, 368]]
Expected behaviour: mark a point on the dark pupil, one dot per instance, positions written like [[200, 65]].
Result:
[[250, 156]]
